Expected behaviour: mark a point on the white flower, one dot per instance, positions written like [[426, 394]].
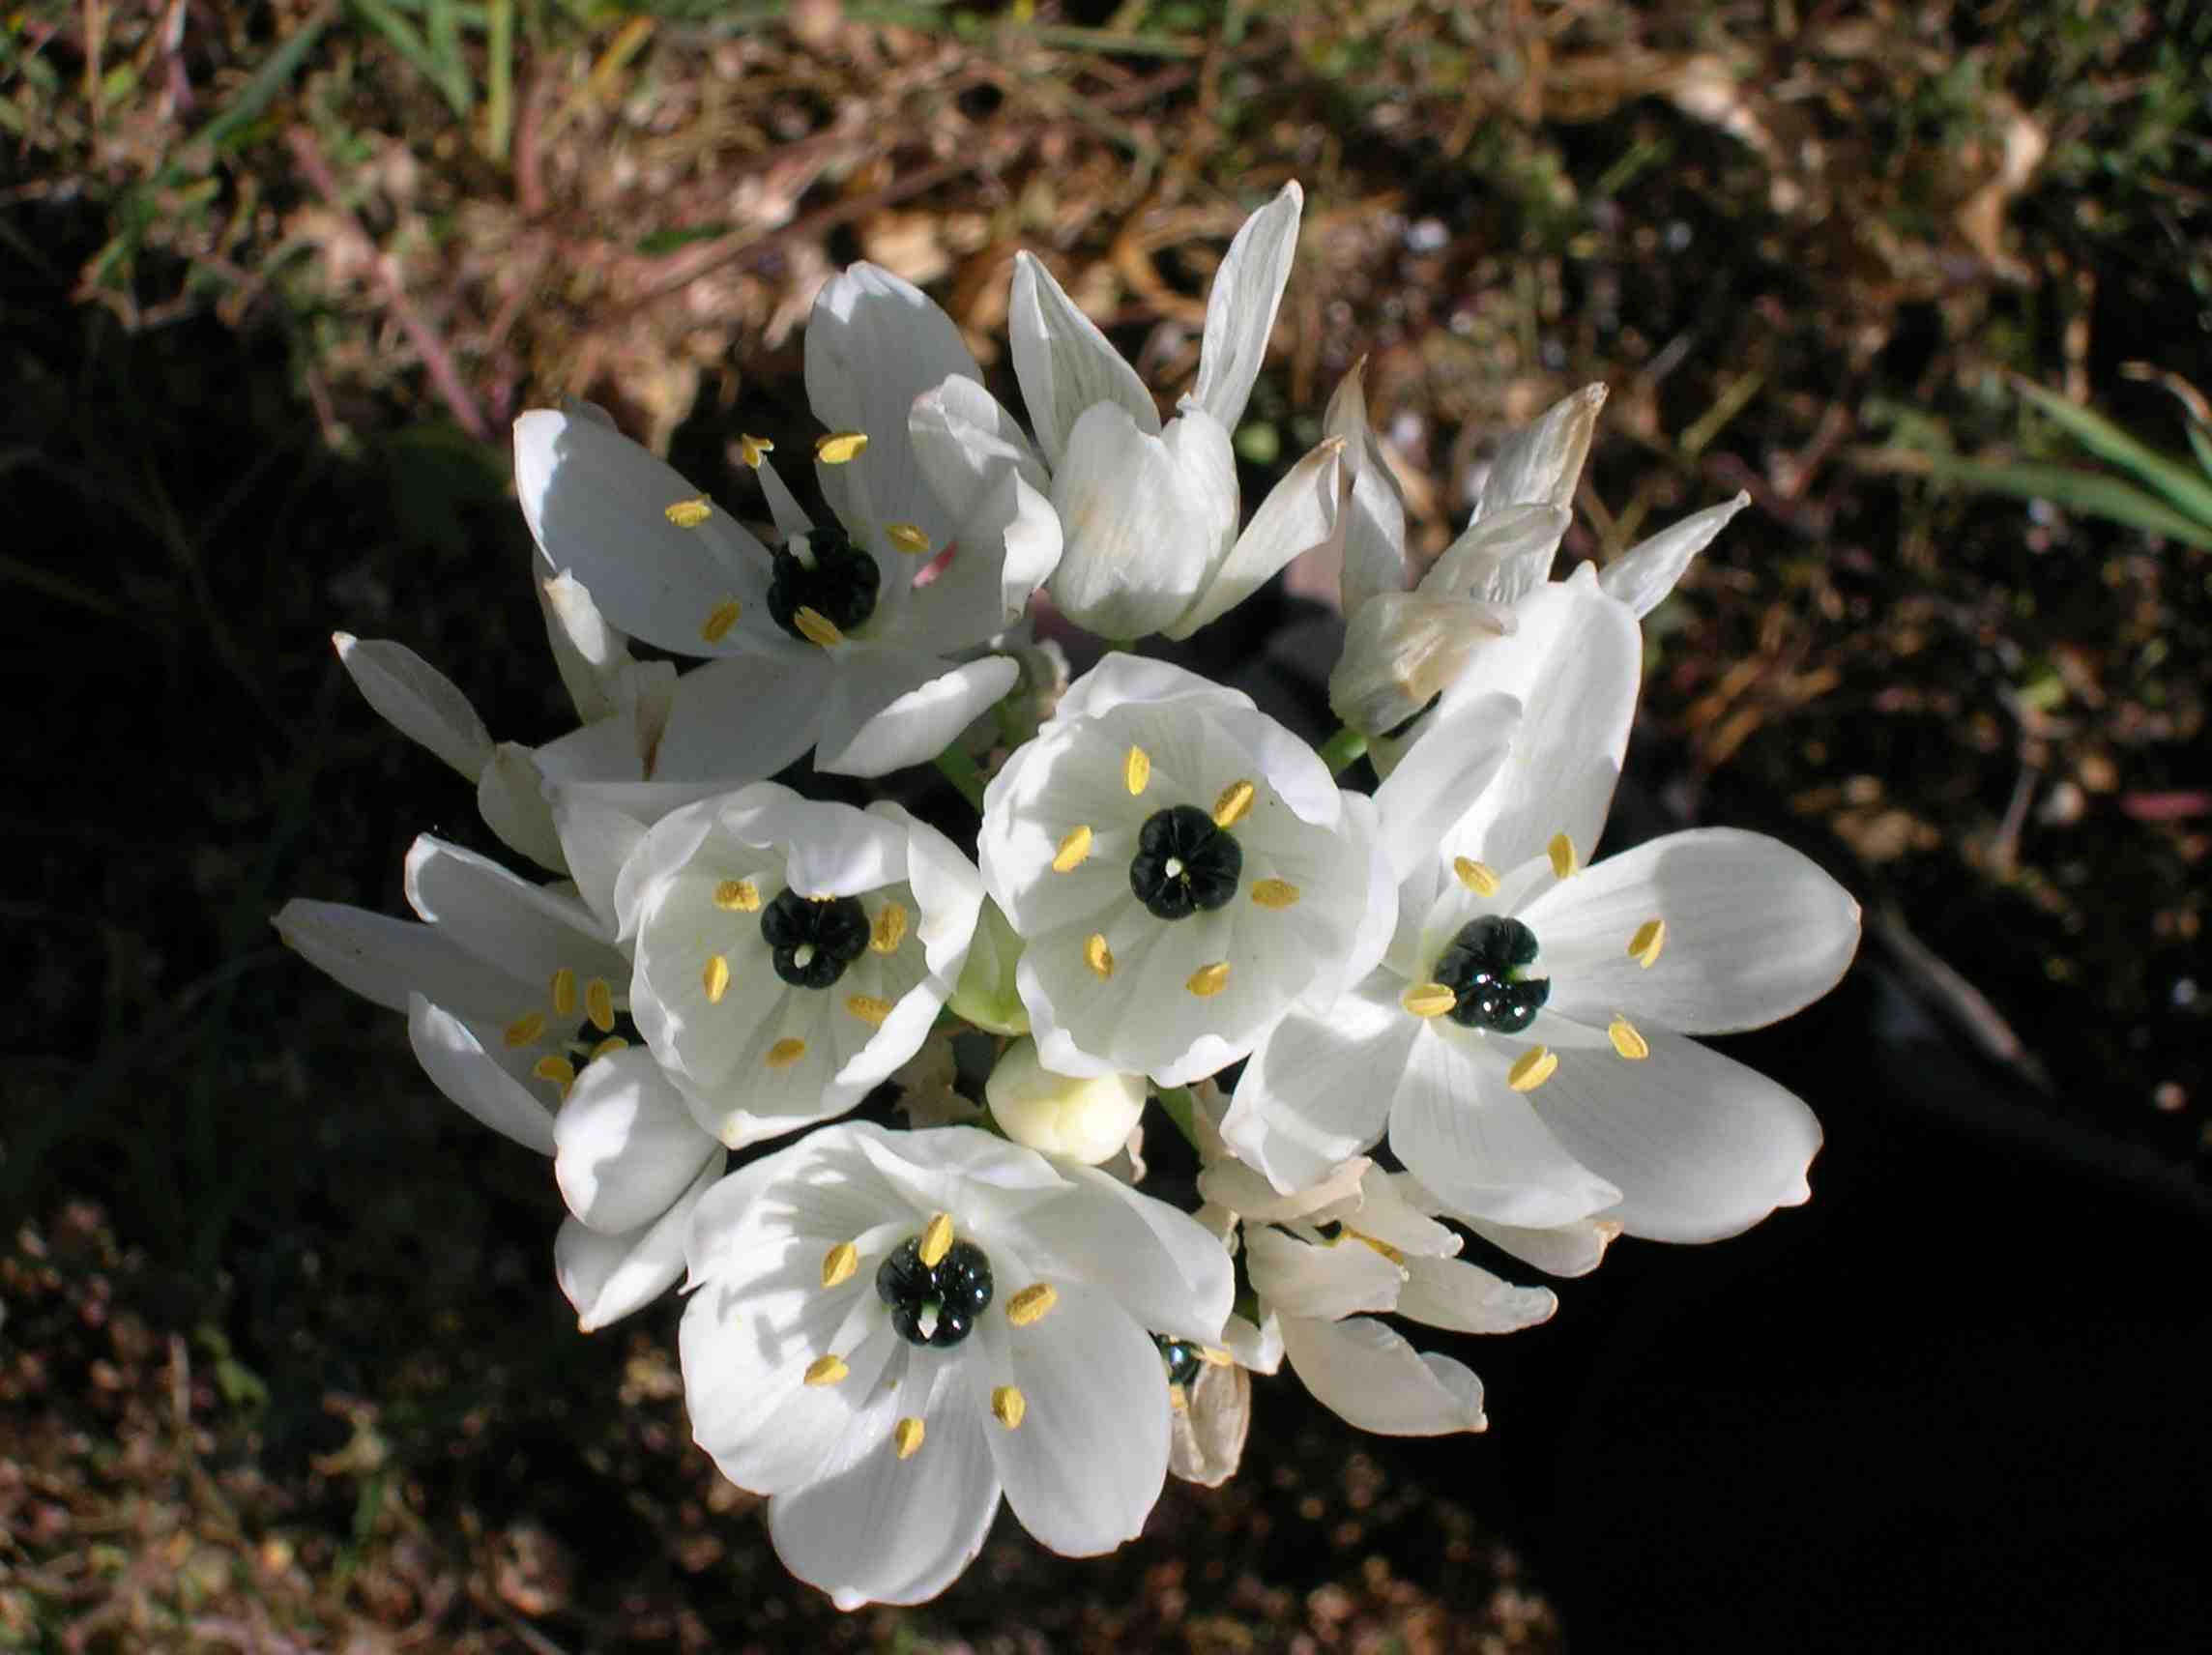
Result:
[[889, 1330], [1181, 868], [790, 954], [1148, 514], [836, 639], [1087, 1119]]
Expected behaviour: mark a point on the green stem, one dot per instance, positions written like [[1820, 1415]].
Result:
[[1179, 1105], [958, 768], [1343, 749]]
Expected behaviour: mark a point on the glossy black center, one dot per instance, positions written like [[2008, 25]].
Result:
[[935, 1306], [1184, 863], [814, 942], [1483, 967], [1181, 1357], [840, 587]]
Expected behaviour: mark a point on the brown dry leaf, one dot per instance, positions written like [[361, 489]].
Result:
[[1980, 218]]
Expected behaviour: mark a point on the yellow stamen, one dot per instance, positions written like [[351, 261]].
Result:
[[936, 1239], [839, 447], [869, 1008], [889, 929], [817, 627], [738, 896], [1643, 947], [1209, 980], [908, 1436], [1072, 849], [1428, 999], [1532, 1068], [1097, 956], [1274, 892], [612, 1044], [750, 449], [565, 992], [723, 617], [1030, 1303], [786, 1052], [716, 979], [1009, 1406], [600, 1004], [825, 1370], [839, 1263], [1626, 1041], [1235, 800], [1561, 851], [1383, 1247], [1213, 1357], [1176, 1400], [907, 538], [1136, 771], [524, 1030], [688, 513], [1478, 877], [559, 1070]]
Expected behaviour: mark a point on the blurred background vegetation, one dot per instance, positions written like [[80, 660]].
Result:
[[279, 274]]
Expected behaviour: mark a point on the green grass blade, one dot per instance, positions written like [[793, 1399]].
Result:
[[2187, 490], [498, 80], [2086, 491], [442, 33], [412, 47]]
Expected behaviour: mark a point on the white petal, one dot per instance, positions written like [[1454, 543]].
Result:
[[459, 1066], [1373, 1378], [1318, 1089], [1088, 1461], [1006, 534], [1145, 518], [606, 1277], [1542, 462], [1700, 1146], [597, 503], [1380, 1208], [1375, 515], [1229, 1183], [419, 701], [1206, 1440], [945, 885], [1120, 678], [1160, 1264], [1379, 917], [595, 841], [1240, 308], [1644, 574], [1755, 931], [1258, 1348], [1501, 558], [1298, 1279], [588, 653], [948, 1167], [1441, 777], [1402, 651], [1298, 515], [1445, 1292], [625, 1146], [738, 720], [1564, 1250], [611, 748], [820, 1191], [523, 929], [1065, 362], [385, 960], [510, 796], [888, 709]]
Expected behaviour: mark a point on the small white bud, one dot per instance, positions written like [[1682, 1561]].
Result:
[[1085, 1120]]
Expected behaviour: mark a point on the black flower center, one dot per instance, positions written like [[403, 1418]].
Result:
[[935, 1305], [835, 579], [1484, 968], [1184, 863], [1181, 1357], [814, 942]]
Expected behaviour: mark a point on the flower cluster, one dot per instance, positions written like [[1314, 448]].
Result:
[[707, 1016]]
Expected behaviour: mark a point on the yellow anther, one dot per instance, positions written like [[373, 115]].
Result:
[[1478, 877], [565, 992], [1561, 851], [869, 1008], [751, 447], [1009, 1406], [908, 1436], [839, 1263], [1428, 999], [715, 979], [786, 1052], [600, 1004], [825, 1370], [1176, 1400], [889, 929], [559, 1070], [1072, 849], [1274, 892], [1626, 1041], [936, 1239], [524, 1030], [1383, 1247], [1030, 1303], [1532, 1068], [738, 896], [1643, 947], [688, 513], [817, 627], [1136, 771], [839, 447], [1213, 1357], [1235, 800], [907, 538], [612, 1044], [1097, 956], [1209, 980], [721, 620]]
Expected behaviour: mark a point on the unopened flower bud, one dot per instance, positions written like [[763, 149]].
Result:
[[987, 994], [1085, 1120]]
